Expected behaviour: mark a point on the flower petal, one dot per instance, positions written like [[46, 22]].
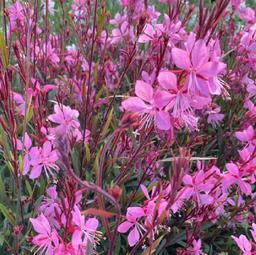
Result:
[[133, 237], [135, 104], [232, 168], [124, 227], [199, 53], [167, 80], [41, 224], [162, 98], [144, 90], [163, 121], [211, 69], [35, 172], [181, 58], [91, 224]]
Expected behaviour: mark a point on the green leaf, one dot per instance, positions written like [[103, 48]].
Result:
[[182, 235], [1, 239], [5, 144], [3, 50], [151, 250], [7, 214], [87, 152], [75, 160], [107, 124], [29, 189], [101, 20], [96, 164], [2, 189]]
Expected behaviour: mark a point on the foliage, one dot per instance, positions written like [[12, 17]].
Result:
[[127, 127]]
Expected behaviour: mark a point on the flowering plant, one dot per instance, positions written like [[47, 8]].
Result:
[[127, 127]]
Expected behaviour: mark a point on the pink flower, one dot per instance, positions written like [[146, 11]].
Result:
[[236, 3], [235, 175], [150, 205], [244, 244], [123, 31], [125, 2], [20, 103], [84, 230], [197, 247], [248, 41], [246, 14], [201, 72], [47, 239], [16, 15], [68, 124], [49, 52], [150, 105], [150, 33], [174, 30], [253, 231], [132, 216], [50, 206], [65, 117], [246, 135], [37, 88], [43, 159], [198, 188], [118, 20], [27, 146], [214, 116], [180, 101]]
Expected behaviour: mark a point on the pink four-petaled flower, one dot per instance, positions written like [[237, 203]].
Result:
[[133, 215], [47, 240], [150, 105]]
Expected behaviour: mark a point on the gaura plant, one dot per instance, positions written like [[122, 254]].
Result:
[[127, 126]]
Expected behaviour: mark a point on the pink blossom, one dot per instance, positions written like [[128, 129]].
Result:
[[150, 105], [16, 15], [253, 231], [125, 2], [246, 135], [43, 159], [151, 203], [198, 188], [200, 71], [246, 13], [150, 33], [236, 175], [68, 124], [244, 244], [122, 32], [236, 3], [174, 30], [84, 230], [49, 52], [65, 117], [118, 20], [79, 9], [214, 116], [180, 102], [50, 206], [47, 240], [27, 143], [133, 215], [248, 41], [20, 103], [197, 247]]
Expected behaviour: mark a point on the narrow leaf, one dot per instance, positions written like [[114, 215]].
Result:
[[3, 51], [7, 214]]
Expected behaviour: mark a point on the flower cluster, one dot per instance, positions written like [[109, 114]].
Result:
[[127, 127], [57, 217]]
